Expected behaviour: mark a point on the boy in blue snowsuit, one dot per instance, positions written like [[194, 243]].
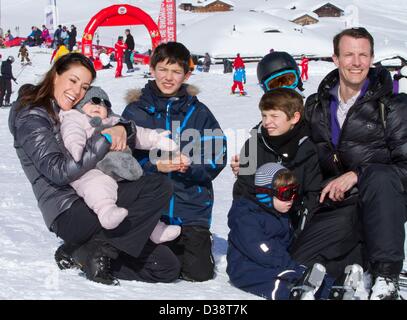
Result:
[[239, 77], [169, 104], [260, 234]]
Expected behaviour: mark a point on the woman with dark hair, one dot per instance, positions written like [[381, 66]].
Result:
[[103, 255]]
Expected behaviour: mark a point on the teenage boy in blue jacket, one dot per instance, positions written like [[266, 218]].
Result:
[[169, 104]]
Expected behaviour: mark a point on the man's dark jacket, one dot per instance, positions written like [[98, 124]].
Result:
[[368, 135]]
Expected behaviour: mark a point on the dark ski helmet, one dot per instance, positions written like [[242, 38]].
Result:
[[274, 62], [11, 59]]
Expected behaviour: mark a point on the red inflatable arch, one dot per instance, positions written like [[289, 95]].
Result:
[[119, 15]]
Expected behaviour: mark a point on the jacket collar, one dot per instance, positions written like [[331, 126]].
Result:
[[152, 100], [380, 84]]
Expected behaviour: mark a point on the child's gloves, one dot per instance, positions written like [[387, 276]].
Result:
[[166, 144]]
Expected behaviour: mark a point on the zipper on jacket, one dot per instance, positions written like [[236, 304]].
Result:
[[177, 137], [168, 127]]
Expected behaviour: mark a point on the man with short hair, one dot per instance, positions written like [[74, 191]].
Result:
[[359, 129], [127, 54]]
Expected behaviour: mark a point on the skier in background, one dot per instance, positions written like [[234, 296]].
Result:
[[207, 62], [239, 77], [238, 62], [127, 54], [5, 81], [119, 47], [304, 68], [23, 52], [72, 37], [104, 59]]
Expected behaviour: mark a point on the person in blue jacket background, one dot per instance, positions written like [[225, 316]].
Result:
[[239, 77], [167, 103]]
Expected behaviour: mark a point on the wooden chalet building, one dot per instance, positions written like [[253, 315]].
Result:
[[328, 10], [305, 20], [206, 6]]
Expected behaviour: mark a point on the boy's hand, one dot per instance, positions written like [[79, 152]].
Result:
[[178, 162], [166, 166], [185, 163], [234, 164]]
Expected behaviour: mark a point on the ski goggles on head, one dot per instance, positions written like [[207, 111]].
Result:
[[284, 79], [97, 100], [285, 193]]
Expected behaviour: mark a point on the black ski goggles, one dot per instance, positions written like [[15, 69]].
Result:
[[284, 79], [97, 100], [285, 193]]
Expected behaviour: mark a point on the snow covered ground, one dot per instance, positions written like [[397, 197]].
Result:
[[27, 266]]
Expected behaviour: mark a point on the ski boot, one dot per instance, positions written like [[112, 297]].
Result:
[[309, 284], [386, 288], [63, 257], [350, 285], [385, 280], [94, 259]]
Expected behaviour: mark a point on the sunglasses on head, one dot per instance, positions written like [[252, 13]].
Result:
[[284, 79], [97, 100], [285, 193]]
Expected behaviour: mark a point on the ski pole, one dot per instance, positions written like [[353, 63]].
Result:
[[23, 67]]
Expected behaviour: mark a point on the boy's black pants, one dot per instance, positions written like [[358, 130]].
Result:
[[333, 238], [194, 250]]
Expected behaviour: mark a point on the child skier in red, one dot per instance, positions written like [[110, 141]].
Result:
[[119, 47], [304, 68]]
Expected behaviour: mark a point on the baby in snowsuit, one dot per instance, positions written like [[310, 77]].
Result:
[[98, 187]]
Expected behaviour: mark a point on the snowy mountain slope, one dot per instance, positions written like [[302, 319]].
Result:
[[386, 21], [236, 30]]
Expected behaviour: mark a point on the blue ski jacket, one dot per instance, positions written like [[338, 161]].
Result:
[[258, 260], [239, 75], [192, 201]]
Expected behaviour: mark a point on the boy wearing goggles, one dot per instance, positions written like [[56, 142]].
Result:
[[98, 187], [281, 137], [260, 234]]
